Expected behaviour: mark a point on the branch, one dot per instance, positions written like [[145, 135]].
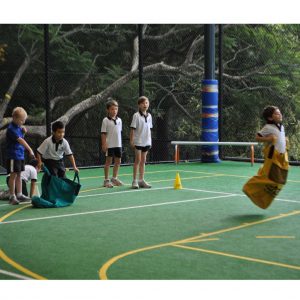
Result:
[[13, 86], [236, 54], [172, 31], [175, 101], [102, 96], [73, 94]]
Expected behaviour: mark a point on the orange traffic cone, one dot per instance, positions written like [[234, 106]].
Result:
[[177, 182]]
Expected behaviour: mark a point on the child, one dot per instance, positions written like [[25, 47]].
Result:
[[111, 141], [15, 144], [140, 140], [29, 174], [271, 177], [52, 151]]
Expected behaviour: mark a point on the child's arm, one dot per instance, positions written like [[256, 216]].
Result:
[[39, 159], [72, 160], [28, 148], [103, 142], [32, 188], [131, 137], [266, 139]]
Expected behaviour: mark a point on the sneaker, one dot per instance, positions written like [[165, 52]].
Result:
[[144, 184], [23, 198], [13, 200], [107, 183], [116, 182], [135, 184]]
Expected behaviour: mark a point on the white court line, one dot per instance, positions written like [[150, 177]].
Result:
[[207, 191], [242, 195], [115, 209], [15, 275], [128, 191]]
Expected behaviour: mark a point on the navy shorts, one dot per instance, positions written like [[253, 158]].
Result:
[[15, 166], [114, 152], [144, 149], [55, 167]]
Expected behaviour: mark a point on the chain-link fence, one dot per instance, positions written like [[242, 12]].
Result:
[[89, 63]]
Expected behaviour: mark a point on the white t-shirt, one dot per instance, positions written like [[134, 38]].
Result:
[[142, 125], [278, 131], [30, 173], [113, 130], [49, 149]]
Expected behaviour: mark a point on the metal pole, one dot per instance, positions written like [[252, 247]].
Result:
[[209, 98], [209, 51], [46, 62], [141, 79], [220, 77]]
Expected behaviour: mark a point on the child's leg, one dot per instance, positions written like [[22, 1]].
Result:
[[116, 167], [108, 162], [142, 165], [12, 183], [136, 162], [18, 183]]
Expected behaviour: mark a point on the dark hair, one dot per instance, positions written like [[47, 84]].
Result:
[[142, 99], [57, 125], [268, 112], [33, 162], [111, 102]]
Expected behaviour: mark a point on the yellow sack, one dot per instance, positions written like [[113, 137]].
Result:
[[271, 177]]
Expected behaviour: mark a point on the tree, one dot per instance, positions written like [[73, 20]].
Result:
[[93, 62]]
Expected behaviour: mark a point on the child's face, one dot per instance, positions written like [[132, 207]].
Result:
[[59, 134], [277, 116], [144, 105], [20, 120], [113, 111]]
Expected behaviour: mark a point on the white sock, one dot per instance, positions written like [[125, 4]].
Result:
[[19, 194]]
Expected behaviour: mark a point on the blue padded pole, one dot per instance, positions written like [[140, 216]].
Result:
[[210, 120]]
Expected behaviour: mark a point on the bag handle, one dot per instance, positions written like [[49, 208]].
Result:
[[76, 177]]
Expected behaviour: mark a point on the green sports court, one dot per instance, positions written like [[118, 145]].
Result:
[[204, 82], [207, 230]]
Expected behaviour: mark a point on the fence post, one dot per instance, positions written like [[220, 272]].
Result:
[[141, 67], [46, 71]]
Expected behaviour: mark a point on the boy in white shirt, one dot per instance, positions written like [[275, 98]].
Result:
[[111, 141], [140, 140], [51, 152], [272, 176]]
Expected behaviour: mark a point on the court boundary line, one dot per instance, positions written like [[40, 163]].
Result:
[[15, 275], [247, 258], [103, 270], [115, 209]]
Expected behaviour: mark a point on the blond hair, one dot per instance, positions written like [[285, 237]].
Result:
[[19, 112]]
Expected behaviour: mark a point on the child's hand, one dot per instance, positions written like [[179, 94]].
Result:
[[274, 139], [24, 130], [104, 148], [132, 145], [31, 153], [287, 143], [76, 170]]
